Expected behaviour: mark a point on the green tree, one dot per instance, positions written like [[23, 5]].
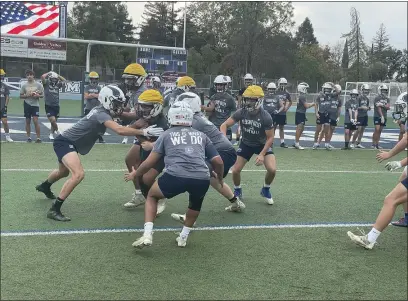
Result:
[[305, 34], [377, 71], [380, 44], [310, 64], [345, 59]]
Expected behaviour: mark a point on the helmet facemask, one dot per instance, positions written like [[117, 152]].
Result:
[[271, 90], [384, 92], [148, 111], [282, 87], [220, 87], [251, 104], [353, 96], [116, 105], [156, 85], [366, 92], [133, 82], [248, 82], [93, 81], [54, 82]]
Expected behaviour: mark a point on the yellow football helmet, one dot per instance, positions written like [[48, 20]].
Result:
[[252, 98], [150, 103], [93, 77], [2, 73], [134, 76], [186, 83]]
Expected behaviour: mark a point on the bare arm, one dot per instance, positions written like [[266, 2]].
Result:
[[123, 130], [227, 124], [210, 108], [399, 147], [282, 106], [218, 166]]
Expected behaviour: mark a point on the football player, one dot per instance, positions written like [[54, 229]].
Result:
[[322, 106], [402, 98], [228, 88], [221, 105], [300, 117], [184, 84], [248, 81], [80, 138], [91, 94], [257, 138], [156, 84], [273, 104], [4, 100], [396, 197], [350, 118], [362, 122], [185, 151], [52, 83], [31, 92], [221, 144], [381, 106], [280, 117]]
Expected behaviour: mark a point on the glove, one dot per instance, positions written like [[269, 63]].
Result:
[[393, 165], [382, 119], [152, 131]]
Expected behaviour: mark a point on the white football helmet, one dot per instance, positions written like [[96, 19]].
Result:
[[53, 78], [282, 83], [383, 89], [400, 107], [302, 88], [354, 94], [271, 87], [248, 79], [365, 89], [220, 83], [156, 82], [192, 99], [337, 88], [327, 88], [228, 79], [112, 98], [181, 114]]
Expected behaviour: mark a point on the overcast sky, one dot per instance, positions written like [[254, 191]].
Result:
[[331, 19]]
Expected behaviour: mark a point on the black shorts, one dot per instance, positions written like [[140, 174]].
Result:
[[52, 111], [3, 113], [247, 152], [362, 121], [172, 186], [377, 121], [300, 118], [279, 119], [333, 121], [323, 118], [31, 111], [63, 146], [159, 165], [350, 126], [228, 157], [405, 182]]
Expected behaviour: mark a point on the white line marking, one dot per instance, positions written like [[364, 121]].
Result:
[[205, 228], [244, 170]]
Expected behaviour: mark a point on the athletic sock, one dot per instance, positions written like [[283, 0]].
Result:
[[233, 200], [237, 187], [57, 204], [138, 191], [282, 141], [267, 186], [148, 228], [373, 235], [185, 232], [297, 143]]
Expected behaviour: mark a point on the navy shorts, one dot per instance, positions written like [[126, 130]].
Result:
[[377, 121], [323, 118], [247, 152], [279, 119], [172, 186], [52, 111], [63, 146], [3, 113], [349, 126], [159, 165], [333, 121], [300, 118], [228, 157], [362, 121], [405, 182], [31, 111]]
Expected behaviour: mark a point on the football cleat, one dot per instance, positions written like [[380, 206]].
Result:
[[237, 206], [266, 193], [161, 205], [361, 240], [283, 145], [8, 139], [125, 140], [298, 146], [402, 222], [137, 200], [180, 218], [38, 140], [29, 139], [238, 192], [352, 146], [315, 146], [144, 241], [48, 193], [359, 146], [51, 136], [57, 215], [181, 241]]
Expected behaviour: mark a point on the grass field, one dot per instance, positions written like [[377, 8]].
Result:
[[316, 262]]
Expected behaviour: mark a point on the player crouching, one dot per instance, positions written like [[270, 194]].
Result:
[[185, 151], [257, 138], [81, 138]]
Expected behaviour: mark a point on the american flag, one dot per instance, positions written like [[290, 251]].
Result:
[[29, 19]]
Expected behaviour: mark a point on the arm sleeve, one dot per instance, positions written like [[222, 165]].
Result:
[[159, 145], [210, 151], [237, 115]]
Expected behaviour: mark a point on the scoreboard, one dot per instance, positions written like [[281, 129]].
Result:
[[162, 60]]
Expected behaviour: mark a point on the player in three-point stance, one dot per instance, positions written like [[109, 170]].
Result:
[[81, 138], [185, 151], [257, 138]]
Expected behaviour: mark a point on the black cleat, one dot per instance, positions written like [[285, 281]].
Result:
[[283, 145], [57, 215], [48, 193], [101, 140]]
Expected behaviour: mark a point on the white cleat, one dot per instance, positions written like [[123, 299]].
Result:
[[125, 140], [181, 241], [359, 146], [299, 147], [161, 205], [361, 240], [237, 206], [136, 201], [329, 147], [315, 146], [51, 136], [8, 139], [144, 241], [180, 218], [352, 146]]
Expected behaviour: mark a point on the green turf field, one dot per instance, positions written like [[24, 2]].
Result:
[[311, 187]]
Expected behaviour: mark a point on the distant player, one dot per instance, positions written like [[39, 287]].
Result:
[[31, 92], [228, 88], [4, 100], [221, 105], [80, 138], [381, 106], [274, 104], [184, 84], [156, 84], [362, 121], [248, 81], [280, 118], [91, 94], [300, 117], [52, 83], [185, 151], [402, 122], [322, 106], [350, 118], [257, 138]]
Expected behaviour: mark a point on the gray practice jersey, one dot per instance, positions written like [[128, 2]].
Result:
[[202, 124], [380, 99], [285, 96], [91, 103], [300, 108], [224, 105], [4, 92], [323, 101], [134, 95], [29, 88], [335, 104], [253, 126], [271, 102], [51, 93], [87, 130], [185, 151], [363, 101], [169, 99], [350, 104]]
